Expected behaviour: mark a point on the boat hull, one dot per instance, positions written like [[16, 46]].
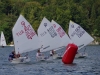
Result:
[[20, 60], [81, 55]]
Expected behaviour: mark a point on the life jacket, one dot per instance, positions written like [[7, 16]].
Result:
[[11, 56]]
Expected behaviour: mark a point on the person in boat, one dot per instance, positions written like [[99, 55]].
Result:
[[13, 55], [17, 55], [52, 52], [39, 55], [55, 55]]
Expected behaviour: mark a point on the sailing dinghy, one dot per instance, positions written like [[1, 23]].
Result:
[[48, 37], [79, 37], [2, 40], [25, 39], [65, 40]]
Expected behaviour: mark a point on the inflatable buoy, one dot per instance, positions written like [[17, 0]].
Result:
[[69, 54]]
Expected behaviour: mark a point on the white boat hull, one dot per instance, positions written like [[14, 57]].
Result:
[[81, 55], [55, 56], [40, 58], [20, 60]]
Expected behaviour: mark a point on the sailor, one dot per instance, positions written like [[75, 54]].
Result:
[[55, 55], [18, 55], [13, 55], [52, 52], [39, 55]]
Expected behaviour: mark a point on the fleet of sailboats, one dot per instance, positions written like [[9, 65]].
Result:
[[51, 36]]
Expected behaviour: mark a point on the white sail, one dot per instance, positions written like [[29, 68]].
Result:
[[78, 35], [24, 36], [48, 36], [65, 40], [3, 40]]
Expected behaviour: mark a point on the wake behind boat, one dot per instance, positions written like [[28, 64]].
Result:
[[25, 39]]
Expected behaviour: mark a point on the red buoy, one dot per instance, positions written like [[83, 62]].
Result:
[[69, 54]]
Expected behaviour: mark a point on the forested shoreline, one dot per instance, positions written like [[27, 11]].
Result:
[[83, 12]]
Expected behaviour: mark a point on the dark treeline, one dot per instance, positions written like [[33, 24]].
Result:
[[84, 12]]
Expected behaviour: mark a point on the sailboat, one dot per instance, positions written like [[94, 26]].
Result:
[[2, 40], [79, 36], [65, 40], [25, 39], [48, 37]]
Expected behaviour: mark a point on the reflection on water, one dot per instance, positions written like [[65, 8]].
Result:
[[83, 66]]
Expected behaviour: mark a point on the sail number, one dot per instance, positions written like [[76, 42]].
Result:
[[52, 32], [78, 31], [20, 33], [28, 30], [61, 32], [44, 33]]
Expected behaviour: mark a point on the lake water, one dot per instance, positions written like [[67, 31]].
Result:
[[83, 66]]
